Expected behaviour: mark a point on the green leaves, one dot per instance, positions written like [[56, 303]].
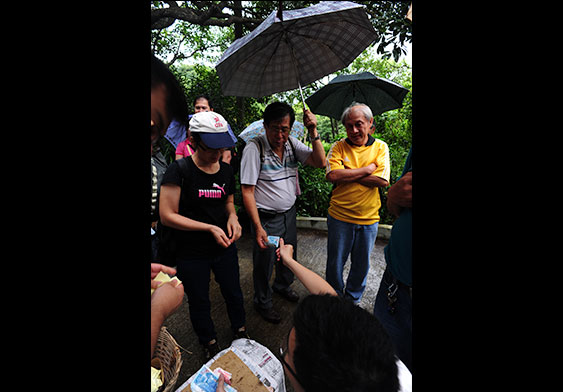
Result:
[[315, 192]]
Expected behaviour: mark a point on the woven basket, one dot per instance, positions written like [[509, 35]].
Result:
[[168, 353]]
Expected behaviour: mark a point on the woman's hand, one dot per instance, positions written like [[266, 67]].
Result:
[[285, 252], [234, 228], [220, 236]]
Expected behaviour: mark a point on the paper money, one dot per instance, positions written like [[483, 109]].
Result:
[[206, 381], [273, 241]]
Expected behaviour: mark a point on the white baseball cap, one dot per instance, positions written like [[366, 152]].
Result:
[[212, 128]]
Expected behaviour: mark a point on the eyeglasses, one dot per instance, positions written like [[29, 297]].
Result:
[[275, 128], [283, 352]]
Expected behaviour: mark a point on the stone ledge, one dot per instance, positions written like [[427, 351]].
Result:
[[319, 223]]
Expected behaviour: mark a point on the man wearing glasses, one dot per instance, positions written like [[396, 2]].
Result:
[[270, 185]]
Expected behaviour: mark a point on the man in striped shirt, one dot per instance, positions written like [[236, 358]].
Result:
[[269, 184], [357, 166]]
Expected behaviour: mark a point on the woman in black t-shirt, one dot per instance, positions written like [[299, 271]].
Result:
[[197, 199]]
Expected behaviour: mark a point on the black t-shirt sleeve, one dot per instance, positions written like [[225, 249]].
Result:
[[172, 175]]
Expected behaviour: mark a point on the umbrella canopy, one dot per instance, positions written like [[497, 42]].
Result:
[[378, 93], [175, 133], [301, 47], [257, 128]]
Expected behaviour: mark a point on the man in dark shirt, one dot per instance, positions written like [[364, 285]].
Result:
[[393, 304]]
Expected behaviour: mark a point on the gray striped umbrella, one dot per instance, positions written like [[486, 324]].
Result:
[[301, 47]]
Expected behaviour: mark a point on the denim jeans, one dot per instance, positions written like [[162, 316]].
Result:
[[349, 239], [398, 324], [195, 275]]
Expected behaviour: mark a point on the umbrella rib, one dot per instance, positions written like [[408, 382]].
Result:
[[270, 58]]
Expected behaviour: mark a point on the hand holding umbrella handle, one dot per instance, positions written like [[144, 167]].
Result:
[[310, 122]]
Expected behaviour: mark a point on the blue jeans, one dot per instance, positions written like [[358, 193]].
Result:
[[399, 323], [346, 239]]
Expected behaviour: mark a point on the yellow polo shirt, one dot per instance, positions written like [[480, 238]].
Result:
[[353, 202]]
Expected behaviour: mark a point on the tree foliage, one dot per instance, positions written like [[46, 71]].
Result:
[[387, 18], [203, 30]]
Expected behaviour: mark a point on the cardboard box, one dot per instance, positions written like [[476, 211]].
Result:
[[243, 380]]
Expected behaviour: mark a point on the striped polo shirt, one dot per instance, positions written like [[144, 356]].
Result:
[[275, 180]]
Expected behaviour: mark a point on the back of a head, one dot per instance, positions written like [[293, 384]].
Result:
[[278, 110], [176, 103], [342, 347]]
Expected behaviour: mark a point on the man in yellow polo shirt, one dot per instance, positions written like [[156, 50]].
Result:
[[357, 166]]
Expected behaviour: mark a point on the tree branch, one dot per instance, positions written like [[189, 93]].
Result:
[[212, 16]]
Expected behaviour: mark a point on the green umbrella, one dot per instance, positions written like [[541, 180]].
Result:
[[378, 93]]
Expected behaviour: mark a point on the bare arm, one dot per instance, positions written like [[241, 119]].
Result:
[[400, 194], [233, 226], [350, 175], [312, 281], [169, 216], [164, 301], [362, 175], [373, 181], [250, 205]]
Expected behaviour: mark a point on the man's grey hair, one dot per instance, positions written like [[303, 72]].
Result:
[[361, 106]]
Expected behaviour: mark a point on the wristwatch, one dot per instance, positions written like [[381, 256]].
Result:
[[315, 138]]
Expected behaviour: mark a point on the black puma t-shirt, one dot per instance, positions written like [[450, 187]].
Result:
[[203, 199]]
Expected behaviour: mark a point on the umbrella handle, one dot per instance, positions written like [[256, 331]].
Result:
[[294, 61], [301, 91]]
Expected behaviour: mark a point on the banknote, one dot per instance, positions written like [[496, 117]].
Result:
[[206, 381], [273, 241]]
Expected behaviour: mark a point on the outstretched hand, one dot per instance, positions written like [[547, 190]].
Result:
[[285, 252]]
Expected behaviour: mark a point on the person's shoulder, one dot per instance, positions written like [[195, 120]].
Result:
[[379, 143], [252, 144], [225, 167], [336, 146], [172, 174], [294, 140], [173, 166], [339, 144]]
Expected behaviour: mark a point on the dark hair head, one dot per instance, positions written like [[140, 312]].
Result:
[[204, 96], [342, 347], [176, 103], [278, 110]]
